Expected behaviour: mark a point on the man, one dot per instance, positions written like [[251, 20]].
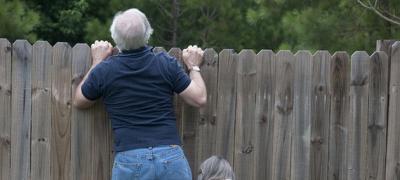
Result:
[[137, 88]]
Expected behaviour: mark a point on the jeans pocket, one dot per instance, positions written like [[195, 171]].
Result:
[[176, 166], [122, 171], [126, 167], [175, 154]]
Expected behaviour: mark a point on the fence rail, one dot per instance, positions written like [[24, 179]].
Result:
[[272, 115]]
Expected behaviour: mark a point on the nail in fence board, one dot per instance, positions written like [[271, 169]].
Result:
[[21, 110], [41, 110], [285, 68], [61, 112], [264, 118], [338, 133], [5, 108], [245, 114], [320, 111]]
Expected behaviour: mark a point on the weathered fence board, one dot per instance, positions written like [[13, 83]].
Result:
[[226, 104], [5, 109], [21, 110], [206, 127], [61, 112], [357, 127], [101, 143], [264, 118], [178, 102], [41, 110], [320, 112], [245, 114], [283, 122], [339, 115], [82, 121], [301, 140], [393, 145], [377, 116], [272, 116]]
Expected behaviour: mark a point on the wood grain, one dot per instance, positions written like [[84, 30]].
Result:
[[264, 118], [320, 111], [178, 102], [101, 143], [301, 140], [284, 92], [226, 105], [245, 114], [206, 125], [393, 145], [41, 110], [339, 114], [61, 112], [5, 108], [21, 110], [357, 124], [377, 116], [82, 121]]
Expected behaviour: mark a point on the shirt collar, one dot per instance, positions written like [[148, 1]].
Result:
[[137, 51]]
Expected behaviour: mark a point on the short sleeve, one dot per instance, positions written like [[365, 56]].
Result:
[[180, 78], [92, 87]]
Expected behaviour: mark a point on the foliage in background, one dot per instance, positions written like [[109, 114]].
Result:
[[253, 24], [17, 20]]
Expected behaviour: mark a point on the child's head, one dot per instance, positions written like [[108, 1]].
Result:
[[215, 168]]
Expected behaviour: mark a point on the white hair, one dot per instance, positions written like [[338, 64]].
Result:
[[215, 168], [130, 29]]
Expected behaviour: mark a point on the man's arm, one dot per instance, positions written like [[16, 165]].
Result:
[[100, 51], [195, 94], [80, 101]]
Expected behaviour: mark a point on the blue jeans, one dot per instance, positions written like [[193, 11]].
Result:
[[163, 162]]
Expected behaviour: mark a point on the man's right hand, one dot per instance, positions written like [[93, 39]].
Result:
[[192, 56], [100, 51]]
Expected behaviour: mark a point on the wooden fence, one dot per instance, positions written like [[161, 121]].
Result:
[[272, 115]]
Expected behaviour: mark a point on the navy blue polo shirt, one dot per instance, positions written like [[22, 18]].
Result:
[[137, 88]]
